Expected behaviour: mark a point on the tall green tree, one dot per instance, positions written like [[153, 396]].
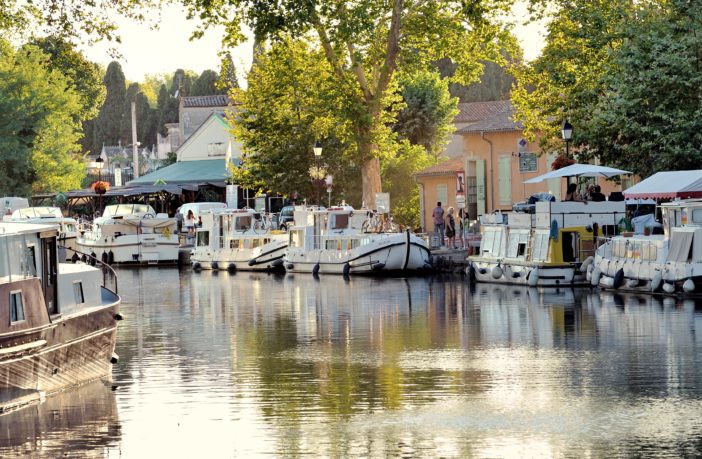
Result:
[[290, 97], [39, 125], [108, 126], [227, 74], [146, 129], [365, 42], [426, 120], [206, 84]]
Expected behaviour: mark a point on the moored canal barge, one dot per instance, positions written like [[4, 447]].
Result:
[[58, 322]]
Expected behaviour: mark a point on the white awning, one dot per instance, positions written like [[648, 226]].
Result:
[[670, 184], [579, 170]]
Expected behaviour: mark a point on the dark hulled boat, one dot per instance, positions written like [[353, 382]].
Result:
[[58, 322]]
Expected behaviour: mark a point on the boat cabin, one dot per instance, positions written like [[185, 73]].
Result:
[[559, 232], [232, 229], [335, 228]]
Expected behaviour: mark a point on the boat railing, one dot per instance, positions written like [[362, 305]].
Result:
[[631, 248], [109, 276]]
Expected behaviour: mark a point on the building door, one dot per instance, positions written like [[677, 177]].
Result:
[[504, 169]]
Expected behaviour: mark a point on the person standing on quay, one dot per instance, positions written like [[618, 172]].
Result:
[[451, 229], [439, 222]]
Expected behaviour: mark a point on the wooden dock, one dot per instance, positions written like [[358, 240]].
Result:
[[447, 260]]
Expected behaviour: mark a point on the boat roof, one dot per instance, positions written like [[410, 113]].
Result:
[[37, 212], [14, 228]]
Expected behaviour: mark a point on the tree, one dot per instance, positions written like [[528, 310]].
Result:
[[495, 83], [108, 128], [227, 75], [567, 79], [290, 97], [648, 118], [364, 42], [427, 118], [206, 84], [146, 129], [167, 109], [39, 125]]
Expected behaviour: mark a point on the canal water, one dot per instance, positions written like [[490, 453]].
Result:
[[248, 365]]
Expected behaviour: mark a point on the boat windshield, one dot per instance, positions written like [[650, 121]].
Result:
[[120, 210], [37, 212]]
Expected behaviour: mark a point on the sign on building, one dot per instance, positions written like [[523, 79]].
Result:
[[382, 202], [527, 162]]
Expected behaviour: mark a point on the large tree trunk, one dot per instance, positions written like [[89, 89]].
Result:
[[370, 173]]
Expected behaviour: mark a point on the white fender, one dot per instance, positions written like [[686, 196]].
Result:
[[588, 274], [496, 272], [533, 277], [689, 286], [588, 261], [595, 279], [605, 281], [656, 281], [631, 283], [668, 288]]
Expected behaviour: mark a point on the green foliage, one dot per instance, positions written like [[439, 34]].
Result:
[[39, 127], [108, 126], [397, 177], [495, 83], [84, 77], [227, 75], [206, 84], [364, 42], [291, 101], [427, 118], [627, 76]]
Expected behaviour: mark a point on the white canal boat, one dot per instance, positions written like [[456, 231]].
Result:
[[237, 239], [339, 240], [131, 233], [669, 263], [58, 321], [548, 248], [67, 227]]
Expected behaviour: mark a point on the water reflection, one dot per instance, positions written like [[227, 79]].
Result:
[[76, 423], [257, 364]]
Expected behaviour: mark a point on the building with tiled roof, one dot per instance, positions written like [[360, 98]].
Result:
[[218, 100]]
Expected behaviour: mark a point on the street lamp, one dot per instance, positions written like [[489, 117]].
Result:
[[567, 133], [317, 149], [99, 163], [330, 182]]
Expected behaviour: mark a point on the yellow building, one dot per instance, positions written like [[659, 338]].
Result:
[[489, 156]]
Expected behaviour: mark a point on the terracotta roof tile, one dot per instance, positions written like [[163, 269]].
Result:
[[449, 166], [487, 117], [219, 100]]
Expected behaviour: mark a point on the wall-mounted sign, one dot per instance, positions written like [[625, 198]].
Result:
[[527, 162]]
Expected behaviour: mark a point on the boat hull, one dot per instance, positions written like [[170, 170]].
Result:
[[132, 249], [531, 274], [69, 351], [268, 257], [397, 252]]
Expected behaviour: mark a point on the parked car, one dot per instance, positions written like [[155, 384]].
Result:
[[286, 217]]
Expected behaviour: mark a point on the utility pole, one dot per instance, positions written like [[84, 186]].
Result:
[[135, 152]]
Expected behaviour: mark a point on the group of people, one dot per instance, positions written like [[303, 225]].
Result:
[[450, 225], [592, 193]]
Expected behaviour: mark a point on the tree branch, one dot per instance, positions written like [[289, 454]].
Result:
[[326, 45], [393, 49], [360, 73]]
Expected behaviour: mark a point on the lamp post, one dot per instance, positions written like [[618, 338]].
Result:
[[330, 182], [567, 133], [317, 156], [99, 163]]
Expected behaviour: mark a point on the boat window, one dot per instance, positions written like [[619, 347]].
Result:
[[296, 238], [234, 243], [680, 246], [16, 307], [340, 221], [333, 244], [30, 262], [243, 223], [697, 216], [540, 247], [486, 244], [517, 244], [633, 250], [255, 243], [78, 292], [354, 243], [203, 238], [267, 240], [649, 252]]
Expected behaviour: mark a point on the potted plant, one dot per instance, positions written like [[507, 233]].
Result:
[[100, 187]]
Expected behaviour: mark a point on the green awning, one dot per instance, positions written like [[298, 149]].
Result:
[[206, 170]]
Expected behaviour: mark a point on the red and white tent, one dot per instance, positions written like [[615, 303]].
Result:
[[668, 185]]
